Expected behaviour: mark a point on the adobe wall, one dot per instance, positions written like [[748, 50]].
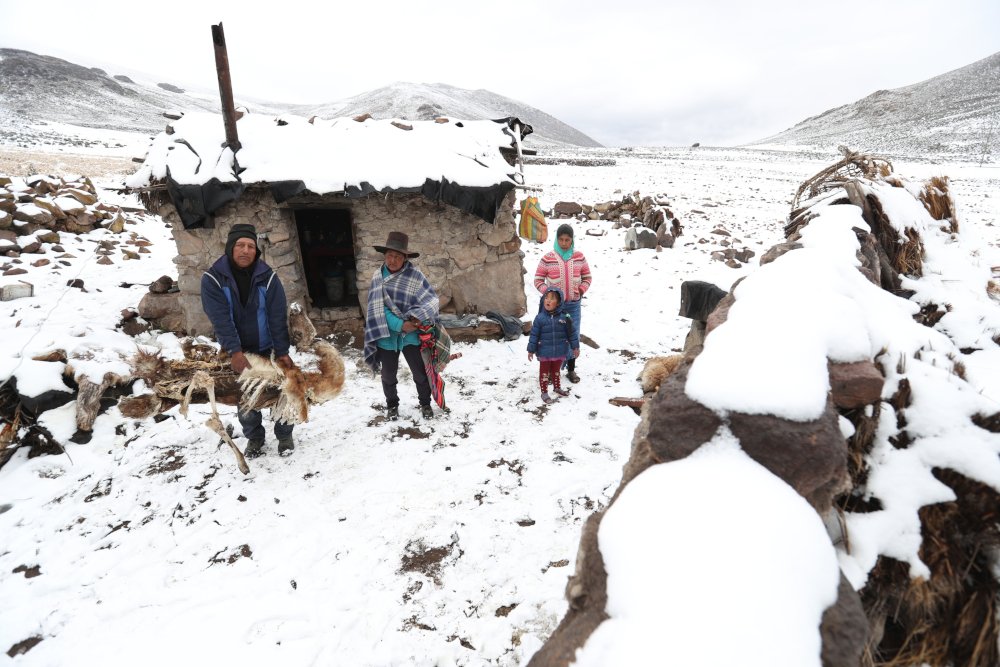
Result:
[[474, 266]]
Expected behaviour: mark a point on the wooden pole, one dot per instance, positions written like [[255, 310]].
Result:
[[225, 87]]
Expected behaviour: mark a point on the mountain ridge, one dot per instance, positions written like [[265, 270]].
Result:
[[955, 114], [44, 89]]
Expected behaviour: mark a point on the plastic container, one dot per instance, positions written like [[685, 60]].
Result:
[[334, 288]]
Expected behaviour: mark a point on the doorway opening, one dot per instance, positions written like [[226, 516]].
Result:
[[327, 240]]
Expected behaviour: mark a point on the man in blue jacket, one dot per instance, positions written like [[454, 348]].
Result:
[[245, 301]]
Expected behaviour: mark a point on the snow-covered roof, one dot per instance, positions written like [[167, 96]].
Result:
[[339, 155]]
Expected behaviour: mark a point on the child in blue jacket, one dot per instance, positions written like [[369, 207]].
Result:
[[554, 337]]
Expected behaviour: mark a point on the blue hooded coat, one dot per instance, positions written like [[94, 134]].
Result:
[[553, 335], [258, 327]]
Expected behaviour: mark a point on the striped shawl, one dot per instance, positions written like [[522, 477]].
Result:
[[407, 294]]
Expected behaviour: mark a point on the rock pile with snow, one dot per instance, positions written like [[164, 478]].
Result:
[[35, 210], [632, 208]]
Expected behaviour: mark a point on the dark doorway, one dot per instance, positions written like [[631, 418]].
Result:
[[328, 256]]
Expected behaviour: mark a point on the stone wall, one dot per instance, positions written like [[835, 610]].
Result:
[[473, 265]]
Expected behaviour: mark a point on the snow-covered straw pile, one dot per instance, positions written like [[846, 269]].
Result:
[[922, 519], [858, 367]]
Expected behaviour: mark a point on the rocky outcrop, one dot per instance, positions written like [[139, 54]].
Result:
[[811, 457], [932, 600], [35, 210]]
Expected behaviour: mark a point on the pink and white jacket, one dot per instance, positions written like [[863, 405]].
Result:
[[572, 276]]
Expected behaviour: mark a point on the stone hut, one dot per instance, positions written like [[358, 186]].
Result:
[[321, 193]]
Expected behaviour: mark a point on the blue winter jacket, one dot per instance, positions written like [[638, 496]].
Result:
[[553, 335], [261, 325]]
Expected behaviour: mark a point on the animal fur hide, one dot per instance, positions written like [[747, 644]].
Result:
[[656, 370], [298, 387]]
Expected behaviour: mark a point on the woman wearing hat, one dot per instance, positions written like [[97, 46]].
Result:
[[399, 298], [566, 268]]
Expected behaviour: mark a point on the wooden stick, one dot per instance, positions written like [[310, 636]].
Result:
[[204, 381], [215, 424], [626, 402]]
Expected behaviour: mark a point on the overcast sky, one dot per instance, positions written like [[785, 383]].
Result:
[[627, 72]]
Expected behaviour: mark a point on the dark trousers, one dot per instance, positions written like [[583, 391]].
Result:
[[253, 430], [390, 366], [572, 308]]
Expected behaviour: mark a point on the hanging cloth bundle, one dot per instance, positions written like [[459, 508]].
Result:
[[532, 225], [435, 350]]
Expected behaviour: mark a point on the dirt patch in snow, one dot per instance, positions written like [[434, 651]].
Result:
[[26, 162]]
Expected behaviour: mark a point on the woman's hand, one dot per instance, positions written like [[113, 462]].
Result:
[[531, 355], [409, 326], [576, 353]]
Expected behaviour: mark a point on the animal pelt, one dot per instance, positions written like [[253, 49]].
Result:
[[327, 381], [140, 407], [656, 370], [301, 331], [292, 406], [204, 381], [88, 398], [299, 387], [263, 385]]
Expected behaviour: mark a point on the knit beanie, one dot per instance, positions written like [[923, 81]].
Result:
[[241, 231], [564, 229]]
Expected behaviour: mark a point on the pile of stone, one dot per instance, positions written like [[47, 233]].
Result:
[[631, 209], [34, 210], [733, 253], [650, 221]]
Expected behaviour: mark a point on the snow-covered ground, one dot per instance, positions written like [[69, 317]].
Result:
[[444, 542]]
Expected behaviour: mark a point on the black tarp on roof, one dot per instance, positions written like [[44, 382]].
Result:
[[482, 202]]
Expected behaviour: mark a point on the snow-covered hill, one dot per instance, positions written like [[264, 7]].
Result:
[[41, 91], [38, 91], [425, 101], [954, 115]]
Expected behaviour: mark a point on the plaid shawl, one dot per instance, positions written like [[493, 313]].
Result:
[[407, 294]]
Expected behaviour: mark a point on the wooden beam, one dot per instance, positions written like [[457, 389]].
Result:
[[225, 87]]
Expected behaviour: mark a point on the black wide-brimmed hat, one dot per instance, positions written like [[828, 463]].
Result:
[[399, 242]]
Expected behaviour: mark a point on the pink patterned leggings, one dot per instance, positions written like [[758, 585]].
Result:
[[549, 368]]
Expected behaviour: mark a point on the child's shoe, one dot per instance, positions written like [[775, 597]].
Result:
[[546, 398], [562, 392]]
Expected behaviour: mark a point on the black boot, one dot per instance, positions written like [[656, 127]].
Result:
[[254, 449]]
